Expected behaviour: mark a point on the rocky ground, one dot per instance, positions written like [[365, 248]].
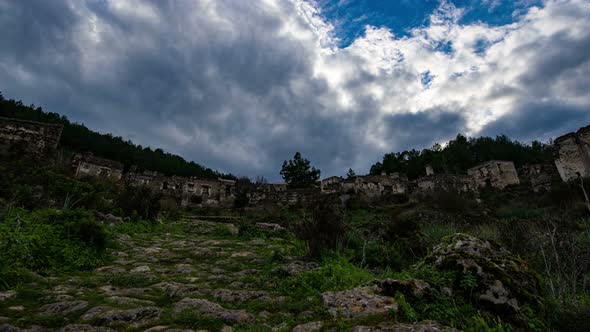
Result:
[[200, 275]]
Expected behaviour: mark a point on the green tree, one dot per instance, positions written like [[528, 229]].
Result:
[[298, 173], [350, 173]]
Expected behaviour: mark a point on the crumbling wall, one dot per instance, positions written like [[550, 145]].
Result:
[[188, 191], [444, 182], [376, 185], [331, 185], [495, 173], [28, 138], [539, 176], [87, 165], [572, 154], [288, 197]]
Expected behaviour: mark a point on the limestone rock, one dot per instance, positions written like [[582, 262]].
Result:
[[109, 290], [141, 269], [133, 317], [270, 227], [212, 309], [358, 302], [410, 288], [122, 300], [504, 282], [240, 296], [309, 327], [296, 268], [184, 269], [11, 328], [85, 328], [8, 295], [63, 308], [425, 326], [177, 289]]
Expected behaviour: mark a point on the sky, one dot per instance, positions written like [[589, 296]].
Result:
[[240, 86]]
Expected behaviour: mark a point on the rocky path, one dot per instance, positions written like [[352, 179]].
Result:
[[193, 275], [199, 276]]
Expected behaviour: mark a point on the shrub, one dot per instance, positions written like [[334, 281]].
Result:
[[49, 240], [323, 227], [139, 201]]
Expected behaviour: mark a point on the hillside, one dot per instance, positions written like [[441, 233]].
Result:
[[77, 137]]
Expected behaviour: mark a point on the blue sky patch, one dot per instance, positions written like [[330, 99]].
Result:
[[350, 17]]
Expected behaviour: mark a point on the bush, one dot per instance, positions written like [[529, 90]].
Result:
[[49, 240], [323, 227], [139, 201]]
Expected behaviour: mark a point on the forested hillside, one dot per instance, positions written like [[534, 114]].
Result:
[[79, 138], [461, 154]]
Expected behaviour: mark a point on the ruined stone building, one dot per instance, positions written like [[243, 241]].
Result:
[[495, 173], [188, 191], [28, 138], [572, 154], [539, 176], [444, 182], [376, 185], [287, 197], [331, 185], [88, 165]]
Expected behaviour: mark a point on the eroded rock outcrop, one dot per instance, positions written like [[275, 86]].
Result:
[[502, 282], [358, 302]]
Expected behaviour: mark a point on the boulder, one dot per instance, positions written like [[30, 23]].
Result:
[[410, 288], [63, 308], [270, 227], [425, 326], [84, 328], [358, 302], [132, 317], [8, 295], [503, 282], [212, 309], [309, 327]]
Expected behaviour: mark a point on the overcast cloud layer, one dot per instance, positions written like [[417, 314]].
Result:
[[241, 85]]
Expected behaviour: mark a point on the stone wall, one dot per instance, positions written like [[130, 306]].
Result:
[[495, 173], [376, 185], [286, 198], [188, 191], [572, 154], [331, 185], [87, 165], [28, 138], [444, 182]]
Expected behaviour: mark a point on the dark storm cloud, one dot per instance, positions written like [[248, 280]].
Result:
[[539, 120], [423, 129]]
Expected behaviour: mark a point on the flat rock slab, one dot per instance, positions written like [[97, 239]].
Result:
[[239, 296], [63, 308], [425, 326], [212, 309], [8, 295], [309, 327], [133, 317], [85, 328], [358, 302]]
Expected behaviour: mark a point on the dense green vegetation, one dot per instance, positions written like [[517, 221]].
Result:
[[462, 153], [77, 137]]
